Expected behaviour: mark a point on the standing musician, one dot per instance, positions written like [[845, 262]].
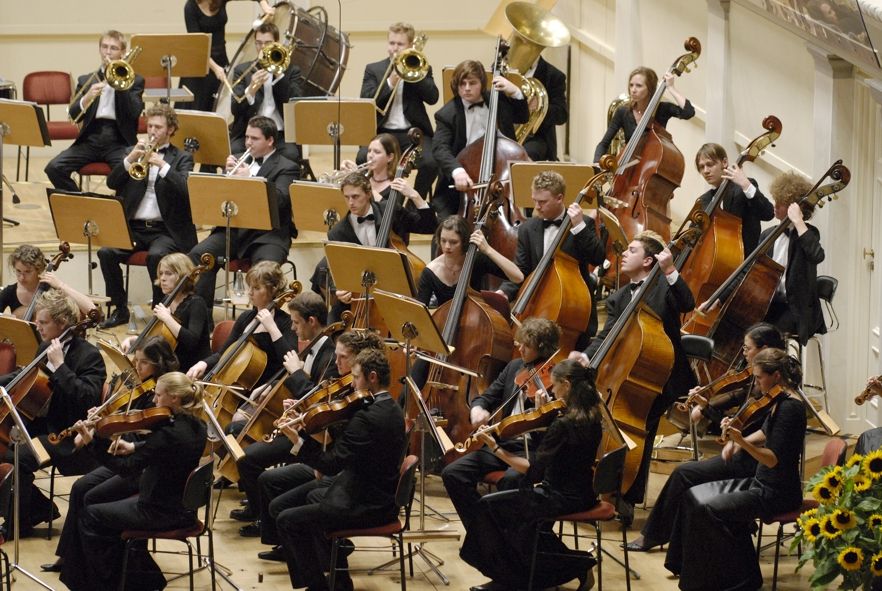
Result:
[[187, 316], [438, 281], [537, 340], [711, 540], [157, 207], [365, 461], [542, 145], [164, 460], [76, 375], [255, 245], [407, 107], [669, 299], [264, 94], [462, 120], [536, 235], [642, 83], [743, 198], [109, 118]]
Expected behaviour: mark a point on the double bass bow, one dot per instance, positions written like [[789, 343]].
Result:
[[62, 255]]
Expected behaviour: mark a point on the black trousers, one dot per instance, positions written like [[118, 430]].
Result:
[[102, 142], [155, 240], [216, 245], [258, 457], [284, 488], [427, 170]]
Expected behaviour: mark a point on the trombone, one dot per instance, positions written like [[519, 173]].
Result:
[[274, 58], [140, 168], [410, 64], [119, 74]]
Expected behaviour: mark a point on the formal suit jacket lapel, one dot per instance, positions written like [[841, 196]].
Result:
[[537, 242]]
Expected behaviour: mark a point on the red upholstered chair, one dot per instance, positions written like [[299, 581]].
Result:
[[93, 169], [136, 259], [149, 82], [220, 334], [48, 88]]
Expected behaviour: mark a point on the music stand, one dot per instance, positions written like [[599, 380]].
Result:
[[22, 123], [185, 54], [316, 206], [24, 337], [232, 202], [116, 356], [19, 436], [101, 220], [352, 122], [205, 135], [575, 176]]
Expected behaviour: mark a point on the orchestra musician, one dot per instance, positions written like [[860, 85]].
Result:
[[28, 263], [537, 340], [157, 208], [76, 374], [364, 460], [109, 118], [462, 120], [264, 95], [256, 245], [714, 521], [165, 459], [438, 281], [542, 145], [642, 84], [408, 105], [499, 542]]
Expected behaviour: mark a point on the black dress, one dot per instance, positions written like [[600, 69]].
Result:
[[624, 119], [9, 298], [433, 292], [193, 338]]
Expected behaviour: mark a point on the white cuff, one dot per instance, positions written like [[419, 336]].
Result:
[[750, 191], [295, 449], [672, 278], [576, 229], [164, 169]]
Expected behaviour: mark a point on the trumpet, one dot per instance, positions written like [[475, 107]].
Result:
[[239, 162], [119, 74], [411, 64], [336, 177], [140, 168], [274, 58]]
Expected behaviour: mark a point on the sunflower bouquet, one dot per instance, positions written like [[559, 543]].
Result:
[[843, 535]]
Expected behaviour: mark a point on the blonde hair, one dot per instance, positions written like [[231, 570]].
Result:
[[179, 264], [61, 308], [652, 242], [551, 181], [178, 385]]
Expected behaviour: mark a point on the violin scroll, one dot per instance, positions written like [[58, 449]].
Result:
[[874, 388]]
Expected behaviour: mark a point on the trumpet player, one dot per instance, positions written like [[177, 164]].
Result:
[[263, 93], [109, 118], [151, 181]]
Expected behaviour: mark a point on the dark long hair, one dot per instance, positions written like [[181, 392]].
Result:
[[582, 404]]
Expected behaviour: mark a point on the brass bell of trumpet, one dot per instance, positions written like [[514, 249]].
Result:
[[140, 168]]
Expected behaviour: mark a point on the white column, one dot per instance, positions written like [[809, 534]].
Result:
[[719, 120], [629, 52]]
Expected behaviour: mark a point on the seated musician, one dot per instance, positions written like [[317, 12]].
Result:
[[286, 487], [152, 359], [743, 199], [407, 108], [438, 281], [29, 265], [264, 94], [164, 461], [669, 298], [642, 83], [561, 473], [536, 235], [365, 461], [76, 375], [462, 120], [542, 145], [537, 341], [714, 521], [255, 245], [186, 317], [309, 317], [730, 464], [109, 118], [157, 208]]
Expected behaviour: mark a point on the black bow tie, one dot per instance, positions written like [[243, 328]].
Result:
[[557, 222], [162, 150], [635, 285], [476, 105], [259, 160], [365, 218]]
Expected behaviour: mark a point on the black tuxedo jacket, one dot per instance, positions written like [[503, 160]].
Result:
[[172, 195], [751, 211], [414, 98], [323, 368], [406, 220], [555, 83], [283, 91], [128, 103]]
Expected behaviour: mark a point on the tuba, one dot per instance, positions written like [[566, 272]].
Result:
[[618, 142], [534, 29]]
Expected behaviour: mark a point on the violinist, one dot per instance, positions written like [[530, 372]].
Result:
[[76, 374], [152, 359], [642, 84], [364, 460], [743, 197], [462, 120], [561, 476], [164, 461], [29, 265], [438, 281], [187, 316], [657, 529], [537, 340], [714, 521]]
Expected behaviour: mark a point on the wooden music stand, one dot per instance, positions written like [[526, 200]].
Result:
[[23, 335], [101, 220], [22, 123], [575, 176], [206, 134], [355, 267], [184, 54], [447, 75], [350, 122], [316, 206]]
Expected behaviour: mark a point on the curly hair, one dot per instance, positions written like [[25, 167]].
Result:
[[359, 340], [267, 273], [374, 360], [28, 255], [541, 334], [789, 188], [551, 181], [61, 308], [358, 180]]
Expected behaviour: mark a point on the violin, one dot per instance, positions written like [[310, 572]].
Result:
[[130, 422], [531, 381], [874, 388], [323, 415], [327, 390], [725, 383], [753, 411], [518, 424]]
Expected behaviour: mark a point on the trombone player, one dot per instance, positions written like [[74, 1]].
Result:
[[401, 104], [109, 116]]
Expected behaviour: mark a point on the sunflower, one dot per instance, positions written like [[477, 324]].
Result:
[[874, 520], [806, 515], [824, 494], [833, 479], [812, 529], [854, 459], [861, 483], [873, 464], [851, 558], [843, 519], [829, 529], [876, 564]]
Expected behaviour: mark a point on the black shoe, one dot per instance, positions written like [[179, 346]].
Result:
[[52, 567], [245, 514], [252, 530], [119, 316], [642, 546], [276, 554], [222, 483], [488, 586], [346, 548]]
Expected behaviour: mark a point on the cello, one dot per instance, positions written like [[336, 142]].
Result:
[[62, 255]]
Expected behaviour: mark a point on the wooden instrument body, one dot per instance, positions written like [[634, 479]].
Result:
[[159, 329], [31, 394], [715, 257], [7, 357], [416, 263], [145, 387], [135, 421], [242, 370]]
